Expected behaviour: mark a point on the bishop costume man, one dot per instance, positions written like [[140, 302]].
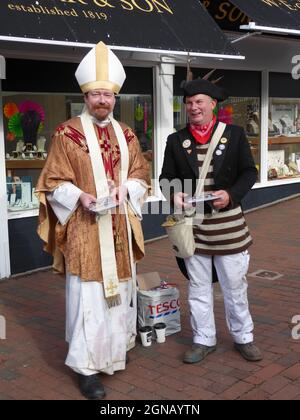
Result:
[[93, 156]]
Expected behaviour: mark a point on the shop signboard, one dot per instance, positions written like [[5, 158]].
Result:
[[228, 16], [272, 13], [182, 25], [231, 15]]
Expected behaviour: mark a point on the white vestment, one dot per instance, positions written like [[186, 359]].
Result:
[[98, 337]]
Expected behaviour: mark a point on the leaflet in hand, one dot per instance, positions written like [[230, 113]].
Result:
[[102, 205], [200, 198]]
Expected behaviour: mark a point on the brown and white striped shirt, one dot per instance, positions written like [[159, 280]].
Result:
[[219, 233]]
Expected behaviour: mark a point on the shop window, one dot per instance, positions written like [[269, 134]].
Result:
[[284, 138], [179, 112], [245, 112], [29, 121]]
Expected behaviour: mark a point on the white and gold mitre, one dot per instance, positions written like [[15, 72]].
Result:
[[100, 69]]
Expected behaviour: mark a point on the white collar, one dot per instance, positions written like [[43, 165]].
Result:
[[101, 124]]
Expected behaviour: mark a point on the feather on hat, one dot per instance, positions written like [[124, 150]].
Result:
[[205, 87]]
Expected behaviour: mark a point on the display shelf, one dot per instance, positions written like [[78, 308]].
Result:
[[25, 164], [277, 140], [22, 214], [279, 178]]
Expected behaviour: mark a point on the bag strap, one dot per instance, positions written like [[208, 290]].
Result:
[[212, 146]]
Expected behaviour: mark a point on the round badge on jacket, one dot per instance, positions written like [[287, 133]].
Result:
[[224, 140], [186, 144]]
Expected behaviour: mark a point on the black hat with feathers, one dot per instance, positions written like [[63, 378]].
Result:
[[205, 87]]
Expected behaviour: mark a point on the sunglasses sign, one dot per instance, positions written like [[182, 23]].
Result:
[[144, 24]]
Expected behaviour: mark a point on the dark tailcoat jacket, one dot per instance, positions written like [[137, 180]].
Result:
[[233, 170]]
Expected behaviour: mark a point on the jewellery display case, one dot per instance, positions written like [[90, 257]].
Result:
[[283, 156], [21, 178], [284, 139], [20, 196]]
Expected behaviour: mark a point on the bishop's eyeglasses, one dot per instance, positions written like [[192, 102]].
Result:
[[95, 94]]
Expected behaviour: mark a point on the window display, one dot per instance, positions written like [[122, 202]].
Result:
[[20, 195], [29, 121], [284, 139], [25, 121], [245, 112], [179, 113]]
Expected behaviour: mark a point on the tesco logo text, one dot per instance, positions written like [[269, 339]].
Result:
[[167, 306]]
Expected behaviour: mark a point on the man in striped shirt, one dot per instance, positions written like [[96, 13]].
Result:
[[221, 235]]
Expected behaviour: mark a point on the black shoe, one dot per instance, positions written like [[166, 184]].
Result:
[[91, 387]]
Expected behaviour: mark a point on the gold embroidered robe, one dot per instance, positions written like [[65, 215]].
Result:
[[75, 246]]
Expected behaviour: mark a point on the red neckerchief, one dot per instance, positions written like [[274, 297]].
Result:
[[202, 133]]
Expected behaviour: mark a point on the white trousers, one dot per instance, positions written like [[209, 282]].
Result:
[[98, 337], [232, 270]]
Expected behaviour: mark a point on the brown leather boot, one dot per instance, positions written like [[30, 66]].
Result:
[[249, 351], [197, 353]]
